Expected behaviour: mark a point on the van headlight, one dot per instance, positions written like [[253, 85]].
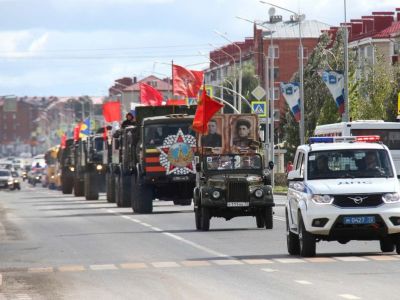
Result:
[[322, 199], [391, 197], [216, 194], [258, 193]]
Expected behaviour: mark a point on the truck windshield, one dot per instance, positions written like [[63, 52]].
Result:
[[98, 144], [349, 163], [156, 133], [233, 162], [4, 173]]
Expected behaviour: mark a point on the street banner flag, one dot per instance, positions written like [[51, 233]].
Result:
[[291, 93], [85, 128], [149, 95], [186, 83], [63, 143], [206, 109], [177, 102], [334, 80], [112, 111], [77, 130]]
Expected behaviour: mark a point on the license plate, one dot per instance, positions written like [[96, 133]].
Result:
[[359, 220], [180, 178], [238, 204]]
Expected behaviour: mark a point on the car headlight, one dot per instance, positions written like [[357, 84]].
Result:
[[258, 193], [391, 197], [216, 194], [15, 180], [72, 169], [322, 199], [99, 167], [52, 176], [10, 182]]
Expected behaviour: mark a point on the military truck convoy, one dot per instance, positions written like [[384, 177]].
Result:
[[162, 158]]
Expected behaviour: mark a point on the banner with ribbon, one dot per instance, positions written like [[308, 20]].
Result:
[[291, 93], [334, 80]]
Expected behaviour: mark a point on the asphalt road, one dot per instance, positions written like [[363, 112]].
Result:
[[58, 247]]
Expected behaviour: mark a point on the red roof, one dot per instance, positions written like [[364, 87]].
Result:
[[388, 32]]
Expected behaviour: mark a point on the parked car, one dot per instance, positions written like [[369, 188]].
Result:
[[15, 183]]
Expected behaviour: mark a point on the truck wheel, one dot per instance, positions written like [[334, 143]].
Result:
[[205, 218], [110, 188], [269, 218], [292, 240], [397, 242], [386, 244], [184, 202], [91, 186], [67, 185], [143, 198], [79, 188], [197, 217], [117, 189], [125, 191], [306, 240], [260, 220]]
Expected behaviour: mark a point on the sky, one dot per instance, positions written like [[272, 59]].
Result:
[[80, 47]]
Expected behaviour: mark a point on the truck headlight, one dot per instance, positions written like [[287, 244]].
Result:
[[322, 199], [99, 167], [216, 194], [258, 193], [391, 197], [72, 169]]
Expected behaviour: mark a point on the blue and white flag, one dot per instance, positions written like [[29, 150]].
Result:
[[291, 93], [334, 80], [85, 128]]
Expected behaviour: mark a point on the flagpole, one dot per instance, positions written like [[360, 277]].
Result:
[[172, 71]]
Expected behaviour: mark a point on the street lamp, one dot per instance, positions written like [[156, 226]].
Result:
[[299, 18], [240, 66]]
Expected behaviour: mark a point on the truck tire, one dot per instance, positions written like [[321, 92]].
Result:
[[292, 240], [205, 218], [110, 181], [67, 184], [197, 218], [183, 202], [91, 186], [79, 188], [269, 218], [306, 240], [142, 197], [117, 189], [386, 244], [125, 191], [260, 220]]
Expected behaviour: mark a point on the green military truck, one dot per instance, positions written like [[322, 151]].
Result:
[[67, 166]]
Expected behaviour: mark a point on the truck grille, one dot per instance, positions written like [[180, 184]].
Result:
[[238, 191], [350, 201]]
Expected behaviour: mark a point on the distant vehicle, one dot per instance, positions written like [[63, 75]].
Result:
[[342, 189], [389, 133], [15, 185], [35, 176], [5, 178]]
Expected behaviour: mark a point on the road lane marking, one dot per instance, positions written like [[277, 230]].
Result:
[[156, 228], [320, 259], [103, 267], [268, 270], [257, 261], [290, 260], [350, 258], [1, 279], [165, 264], [227, 262], [71, 268], [280, 218], [382, 257], [349, 296], [23, 297], [41, 270], [195, 263], [145, 224], [304, 282], [130, 266]]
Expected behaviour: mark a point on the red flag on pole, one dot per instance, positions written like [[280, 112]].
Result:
[[105, 133], [185, 82], [149, 95], [77, 130], [63, 144], [206, 109], [112, 111]]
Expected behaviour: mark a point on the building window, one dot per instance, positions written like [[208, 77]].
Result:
[[277, 115], [276, 72], [14, 116], [396, 48], [305, 53], [276, 51], [277, 93]]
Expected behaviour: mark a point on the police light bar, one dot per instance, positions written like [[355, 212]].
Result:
[[344, 139]]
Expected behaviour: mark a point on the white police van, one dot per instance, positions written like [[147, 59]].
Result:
[[342, 189]]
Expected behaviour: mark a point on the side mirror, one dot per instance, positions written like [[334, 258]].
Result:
[[271, 165], [295, 176]]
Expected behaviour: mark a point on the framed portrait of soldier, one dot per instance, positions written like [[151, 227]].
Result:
[[214, 140], [243, 132]]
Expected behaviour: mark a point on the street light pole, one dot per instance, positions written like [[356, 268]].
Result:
[[346, 116], [240, 66]]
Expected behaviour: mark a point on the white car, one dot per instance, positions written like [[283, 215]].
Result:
[[342, 191]]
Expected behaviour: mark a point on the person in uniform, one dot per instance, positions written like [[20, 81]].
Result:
[[129, 121], [212, 139]]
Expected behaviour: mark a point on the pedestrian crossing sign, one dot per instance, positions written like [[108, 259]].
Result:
[[259, 108]]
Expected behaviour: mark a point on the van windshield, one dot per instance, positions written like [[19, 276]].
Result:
[[349, 163]]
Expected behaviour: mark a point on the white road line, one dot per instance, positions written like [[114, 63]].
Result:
[[1, 279], [126, 217], [349, 296], [23, 297], [305, 282], [103, 267], [268, 270], [145, 224], [156, 228], [279, 218]]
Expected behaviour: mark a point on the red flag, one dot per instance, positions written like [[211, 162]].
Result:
[[206, 109], [105, 133], [112, 111], [149, 95], [63, 144], [176, 102], [186, 83], [77, 130]]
